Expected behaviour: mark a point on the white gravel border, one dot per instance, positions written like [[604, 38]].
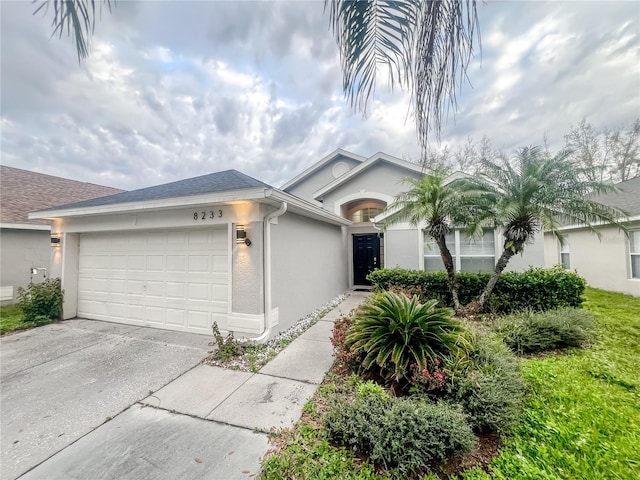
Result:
[[274, 346]]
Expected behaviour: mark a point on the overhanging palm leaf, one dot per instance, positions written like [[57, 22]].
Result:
[[77, 16], [425, 46]]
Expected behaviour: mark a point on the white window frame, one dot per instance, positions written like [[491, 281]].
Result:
[[565, 250], [632, 254], [457, 257]]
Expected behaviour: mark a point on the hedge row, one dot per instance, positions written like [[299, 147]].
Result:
[[535, 289]]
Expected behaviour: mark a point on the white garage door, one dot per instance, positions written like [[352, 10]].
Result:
[[176, 280]]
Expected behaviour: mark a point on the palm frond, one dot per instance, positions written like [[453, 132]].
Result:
[[425, 46], [441, 52], [78, 17], [370, 34]]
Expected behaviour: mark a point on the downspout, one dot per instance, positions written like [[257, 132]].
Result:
[[266, 270]]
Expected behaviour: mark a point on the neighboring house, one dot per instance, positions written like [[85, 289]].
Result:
[[25, 243], [611, 261], [174, 256]]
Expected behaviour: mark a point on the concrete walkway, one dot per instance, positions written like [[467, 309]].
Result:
[[209, 423]]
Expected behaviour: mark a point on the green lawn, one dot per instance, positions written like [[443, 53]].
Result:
[[582, 418], [581, 421], [11, 319]]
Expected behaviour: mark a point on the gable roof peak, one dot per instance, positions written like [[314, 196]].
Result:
[[320, 163]]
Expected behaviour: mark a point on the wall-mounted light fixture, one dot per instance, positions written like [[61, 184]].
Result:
[[241, 235], [55, 241]]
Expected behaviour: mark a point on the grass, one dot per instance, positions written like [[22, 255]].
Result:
[[581, 421], [582, 418], [11, 319]]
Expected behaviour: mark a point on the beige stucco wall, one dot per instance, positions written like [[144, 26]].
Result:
[[319, 179], [21, 250], [383, 180], [308, 266], [533, 255], [605, 263], [404, 248]]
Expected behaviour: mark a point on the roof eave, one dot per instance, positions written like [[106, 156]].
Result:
[[301, 207], [162, 204]]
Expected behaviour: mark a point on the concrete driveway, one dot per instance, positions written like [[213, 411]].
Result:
[[61, 381]]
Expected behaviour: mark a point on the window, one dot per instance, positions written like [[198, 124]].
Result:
[[564, 255], [468, 255], [365, 214], [634, 240]]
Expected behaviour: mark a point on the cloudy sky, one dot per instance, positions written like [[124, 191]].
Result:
[[179, 89]]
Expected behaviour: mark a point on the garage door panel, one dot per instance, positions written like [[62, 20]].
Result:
[[198, 291], [175, 317], [155, 315], [199, 319], [176, 280], [155, 263]]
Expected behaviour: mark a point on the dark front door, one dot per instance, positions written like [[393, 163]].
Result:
[[366, 257]]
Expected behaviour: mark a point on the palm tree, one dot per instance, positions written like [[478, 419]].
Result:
[[532, 193], [424, 46], [441, 206]]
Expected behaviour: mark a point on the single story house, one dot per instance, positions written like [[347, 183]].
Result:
[[611, 261], [25, 243], [230, 249]]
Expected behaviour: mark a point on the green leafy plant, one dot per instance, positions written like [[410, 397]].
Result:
[[228, 347], [41, 303], [407, 434], [536, 288], [486, 382], [530, 332], [394, 332]]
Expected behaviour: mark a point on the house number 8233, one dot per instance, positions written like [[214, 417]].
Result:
[[211, 214]]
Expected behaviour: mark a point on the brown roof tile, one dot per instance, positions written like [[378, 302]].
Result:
[[22, 191]]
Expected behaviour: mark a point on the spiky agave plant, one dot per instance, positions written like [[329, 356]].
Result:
[[394, 332]]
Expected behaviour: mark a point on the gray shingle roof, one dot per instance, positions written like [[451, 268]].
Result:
[[23, 191], [627, 199], [211, 183]]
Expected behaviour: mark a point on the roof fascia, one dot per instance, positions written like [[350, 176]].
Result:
[[161, 204], [577, 226], [363, 166], [25, 226], [321, 163], [304, 208]]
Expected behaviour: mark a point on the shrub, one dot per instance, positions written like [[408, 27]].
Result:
[[346, 359], [488, 385], [394, 332], [41, 303], [407, 434], [530, 332], [228, 348], [536, 289]]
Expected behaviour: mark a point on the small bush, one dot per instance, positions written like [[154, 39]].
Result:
[[407, 434], [394, 332], [536, 289], [41, 303], [346, 360], [530, 332], [228, 348], [488, 385]]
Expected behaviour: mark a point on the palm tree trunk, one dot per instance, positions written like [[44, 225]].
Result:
[[500, 266], [452, 281]]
